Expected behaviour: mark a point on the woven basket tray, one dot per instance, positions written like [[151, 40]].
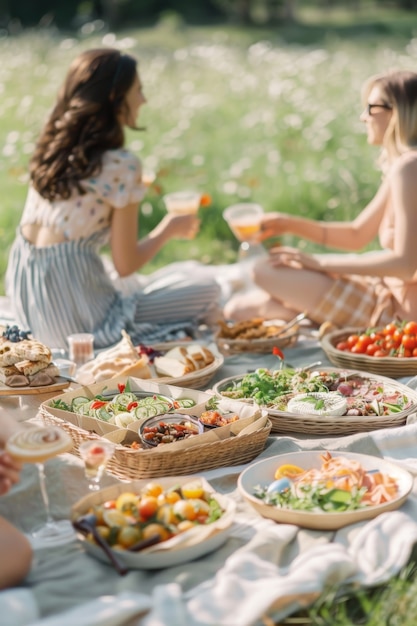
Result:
[[262, 346], [129, 464], [284, 423], [218, 447], [393, 367]]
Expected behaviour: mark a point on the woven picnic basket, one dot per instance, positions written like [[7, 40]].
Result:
[[393, 367], [288, 423], [130, 464], [262, 346]]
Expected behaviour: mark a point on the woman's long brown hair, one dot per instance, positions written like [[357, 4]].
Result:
[[83, 124]]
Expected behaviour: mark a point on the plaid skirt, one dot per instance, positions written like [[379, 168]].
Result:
[[356, 301]]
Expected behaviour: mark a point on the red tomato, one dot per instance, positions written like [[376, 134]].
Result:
[[414, 353], [409, 342], [410, 328], [380, 352], [351, 340], [371, 349], [405, 354], [364, 340], [389, 329], [358, 348], [398, 335], [342, 345], [148, 506]]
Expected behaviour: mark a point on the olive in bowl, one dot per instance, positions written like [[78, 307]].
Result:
[[168, 428]]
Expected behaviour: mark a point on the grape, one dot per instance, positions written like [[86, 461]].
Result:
[[14, 334]]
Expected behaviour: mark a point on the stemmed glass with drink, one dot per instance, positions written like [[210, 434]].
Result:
[[244, 220], [37, 445], [95, 455]]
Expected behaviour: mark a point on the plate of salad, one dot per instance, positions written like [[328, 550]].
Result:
[[324, 490], [323, 401]]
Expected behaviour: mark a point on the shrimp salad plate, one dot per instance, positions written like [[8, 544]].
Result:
[[324, 490]]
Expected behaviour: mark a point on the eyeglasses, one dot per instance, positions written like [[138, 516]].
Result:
[[369, 107]]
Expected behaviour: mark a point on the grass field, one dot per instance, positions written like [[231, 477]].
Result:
[[265, 115], [270, 116]]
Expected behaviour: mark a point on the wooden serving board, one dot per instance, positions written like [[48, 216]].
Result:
[[61, 383]]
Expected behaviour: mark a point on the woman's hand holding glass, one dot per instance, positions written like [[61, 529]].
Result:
[[272, 224], [9, 472], [181, 226]]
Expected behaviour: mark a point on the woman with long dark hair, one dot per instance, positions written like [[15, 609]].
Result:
[[85, 188]]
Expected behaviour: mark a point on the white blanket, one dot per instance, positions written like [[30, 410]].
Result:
[[264, 568]]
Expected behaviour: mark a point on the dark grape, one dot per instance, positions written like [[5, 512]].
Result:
[[14, 334]]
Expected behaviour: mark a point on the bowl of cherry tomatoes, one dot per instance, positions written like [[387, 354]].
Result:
[[389, 350]]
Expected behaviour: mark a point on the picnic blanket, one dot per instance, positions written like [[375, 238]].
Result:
[[264, 568]]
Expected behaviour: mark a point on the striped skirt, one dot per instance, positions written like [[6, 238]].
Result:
[[64, 288]]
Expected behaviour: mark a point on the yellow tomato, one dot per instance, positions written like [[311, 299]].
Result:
[[288, 471], [185, 525], [193, 489], [127, 502], [128, 536], [185, 510], [152, 489], [166, 515], [156, 529]]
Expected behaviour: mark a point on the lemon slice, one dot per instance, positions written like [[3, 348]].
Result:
[[113, 517], [288, 471], [318, 403]]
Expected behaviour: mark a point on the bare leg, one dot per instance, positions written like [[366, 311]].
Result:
[[285, 292], [298, 289], [255, 303]]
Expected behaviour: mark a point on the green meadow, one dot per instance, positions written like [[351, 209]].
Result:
[[264, 115]]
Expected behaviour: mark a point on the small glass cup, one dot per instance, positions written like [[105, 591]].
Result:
[[244, 220], [182, 202], [95, 455], [81, 348]]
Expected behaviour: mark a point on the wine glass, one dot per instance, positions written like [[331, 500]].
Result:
[[37, 445], [244, 221], [182, 202], [95, 455]]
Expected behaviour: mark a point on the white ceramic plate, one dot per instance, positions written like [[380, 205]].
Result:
[[262, 473], [171, 552]]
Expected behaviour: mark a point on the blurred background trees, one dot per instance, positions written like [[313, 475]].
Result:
[[70, 14]]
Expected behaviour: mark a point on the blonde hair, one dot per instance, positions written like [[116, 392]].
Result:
[[399, 91]]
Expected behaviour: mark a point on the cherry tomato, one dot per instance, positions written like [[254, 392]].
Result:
[[342, 345], [371, 349], [358, 348], [380, 353], [409, 342], [404, 354], [389, 329], [148, 506], [410, 328], [414, 353], [398, 335], [352, 339]]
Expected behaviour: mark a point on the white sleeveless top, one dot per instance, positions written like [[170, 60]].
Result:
[[118, 184]]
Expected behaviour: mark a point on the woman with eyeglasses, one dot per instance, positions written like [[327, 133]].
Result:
[[85, 188], [358, 288]]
